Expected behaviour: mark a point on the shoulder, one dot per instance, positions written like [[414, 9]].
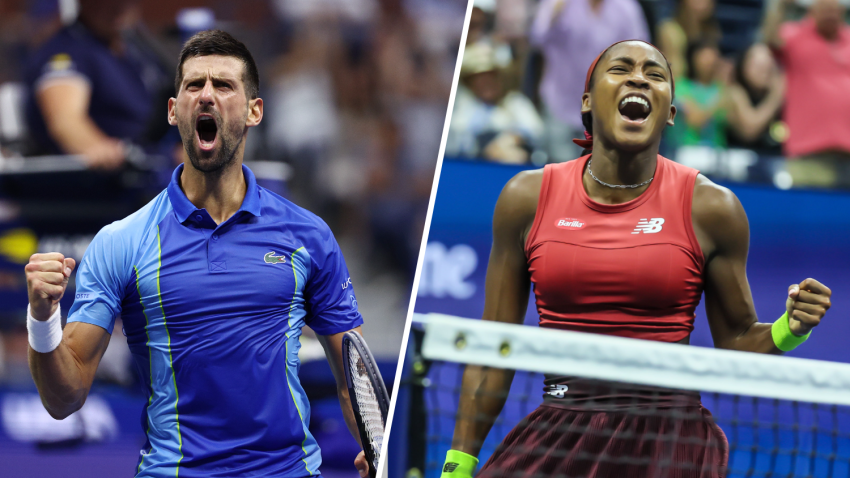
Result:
[[116, 245], [463, 94], [465, 102], [278, 206], [517, 204], [135, 225], [64, 54], [66, 41], [790, 31], [297, 222], [523, 190], [718, 212], [62, 40]]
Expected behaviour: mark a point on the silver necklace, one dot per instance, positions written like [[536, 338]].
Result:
[[616, 186]]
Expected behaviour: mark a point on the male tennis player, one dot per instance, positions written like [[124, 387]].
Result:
[[214, 280], [620, 242]]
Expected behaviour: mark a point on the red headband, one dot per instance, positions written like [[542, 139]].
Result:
[[587, 143]]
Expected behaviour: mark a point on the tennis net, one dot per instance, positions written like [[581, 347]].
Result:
[[584, 405]]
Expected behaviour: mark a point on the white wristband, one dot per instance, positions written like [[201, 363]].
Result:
[[45, 335]]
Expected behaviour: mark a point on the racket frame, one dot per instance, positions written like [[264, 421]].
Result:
[[378, 386]]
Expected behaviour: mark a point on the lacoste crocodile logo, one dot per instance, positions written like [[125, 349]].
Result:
[[270, 258]]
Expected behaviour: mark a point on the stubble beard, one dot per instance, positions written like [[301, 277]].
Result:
[[225, 154]]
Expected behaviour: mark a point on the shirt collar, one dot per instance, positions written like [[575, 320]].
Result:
[[184, 208]]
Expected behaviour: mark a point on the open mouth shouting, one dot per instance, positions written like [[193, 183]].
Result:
[[635, 108], [207, 129]]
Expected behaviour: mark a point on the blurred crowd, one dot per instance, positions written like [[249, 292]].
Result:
[[355, 95], [761, 86]]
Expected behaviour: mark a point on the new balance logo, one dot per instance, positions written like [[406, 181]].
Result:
[[569, 223], [650, 226], [270, 258], [450, 467], [557, 391]]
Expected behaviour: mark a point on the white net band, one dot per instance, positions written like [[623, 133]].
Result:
[[518, 347]]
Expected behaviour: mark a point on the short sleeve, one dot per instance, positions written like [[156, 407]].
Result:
[[60, 64], [329, 293], [100, 285]]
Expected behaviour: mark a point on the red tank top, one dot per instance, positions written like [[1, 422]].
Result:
[[631, 270]]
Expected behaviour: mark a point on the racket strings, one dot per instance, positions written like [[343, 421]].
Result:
[[367, 399]]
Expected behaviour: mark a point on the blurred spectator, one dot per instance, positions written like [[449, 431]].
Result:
[[302, 123], [357, 104], [756, 98], [488, 121], [512, 18], [509, 49], [571, 33], [815, 53], [22, 24], [91, 91], [701, 99], [481, 23], [346, 10], [693, 22], [412, 40]]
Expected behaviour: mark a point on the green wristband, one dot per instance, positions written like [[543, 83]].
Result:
[[784, 339], [459, 465]]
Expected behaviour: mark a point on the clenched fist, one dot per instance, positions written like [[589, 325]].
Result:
[[807, 303], [47, 278]]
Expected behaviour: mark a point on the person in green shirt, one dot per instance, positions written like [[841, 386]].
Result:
[[702, 101]]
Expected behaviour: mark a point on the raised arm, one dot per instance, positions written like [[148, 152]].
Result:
[[333, 351], [750, 121], [773, 19], [545, 19], [485, 389], [723, 231], [64, 375]]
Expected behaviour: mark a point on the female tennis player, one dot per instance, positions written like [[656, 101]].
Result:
[[620, 242]]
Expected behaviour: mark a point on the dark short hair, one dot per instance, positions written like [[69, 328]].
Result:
[[217, 42], [693, 49]]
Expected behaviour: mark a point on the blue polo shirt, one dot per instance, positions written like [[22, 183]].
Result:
[[213, 315]]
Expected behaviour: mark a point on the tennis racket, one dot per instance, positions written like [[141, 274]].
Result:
[[368, 395]]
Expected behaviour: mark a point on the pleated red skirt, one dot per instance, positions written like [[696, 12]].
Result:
[[557, 442]]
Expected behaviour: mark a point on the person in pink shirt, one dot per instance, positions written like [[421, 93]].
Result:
[[816, 55]]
